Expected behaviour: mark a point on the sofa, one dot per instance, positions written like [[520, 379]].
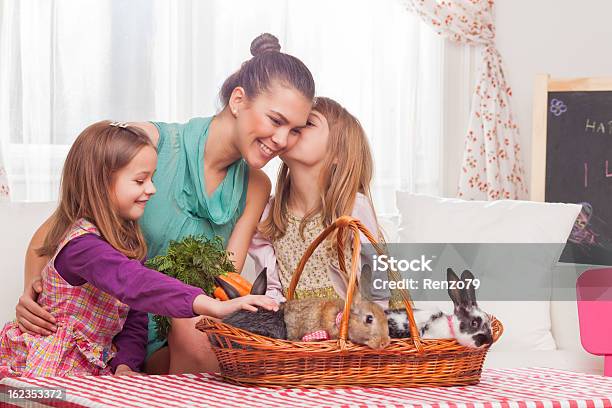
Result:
[[19, 220]]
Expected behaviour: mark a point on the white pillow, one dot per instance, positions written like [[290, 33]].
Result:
[[434, 219], [427, 219], [18, 222]]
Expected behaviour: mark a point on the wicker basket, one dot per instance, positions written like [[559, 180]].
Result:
[[250, 359]]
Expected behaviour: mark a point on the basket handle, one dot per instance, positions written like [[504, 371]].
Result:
[[342, 224]]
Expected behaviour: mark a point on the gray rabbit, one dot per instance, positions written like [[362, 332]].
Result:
[[263, 322]]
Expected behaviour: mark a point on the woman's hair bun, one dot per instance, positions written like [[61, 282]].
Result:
[[266, 42]]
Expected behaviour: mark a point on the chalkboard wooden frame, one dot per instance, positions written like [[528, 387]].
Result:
[[543, 85]]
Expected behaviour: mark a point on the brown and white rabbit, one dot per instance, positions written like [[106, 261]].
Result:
[[296, 318], [468, 324], [367, 321]]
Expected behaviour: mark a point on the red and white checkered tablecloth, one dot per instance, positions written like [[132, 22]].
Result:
[[521, 388]]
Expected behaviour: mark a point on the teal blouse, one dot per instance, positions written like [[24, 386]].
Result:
[[181, 207]]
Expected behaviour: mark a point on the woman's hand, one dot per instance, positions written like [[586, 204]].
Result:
[[31, 317], [123, 369]]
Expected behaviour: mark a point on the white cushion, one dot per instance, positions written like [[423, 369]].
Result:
[[18, 223], [427, 219], [579, 361], [434, 219]]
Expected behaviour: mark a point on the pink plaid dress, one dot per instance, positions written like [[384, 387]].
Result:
[[87, 320]]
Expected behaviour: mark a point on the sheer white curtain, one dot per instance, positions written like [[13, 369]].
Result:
[[65, 64]]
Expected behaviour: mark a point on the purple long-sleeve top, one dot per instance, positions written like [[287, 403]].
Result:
[[89, 258]]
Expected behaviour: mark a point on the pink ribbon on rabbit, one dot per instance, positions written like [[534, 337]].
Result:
[[320, 335], [449, 319]]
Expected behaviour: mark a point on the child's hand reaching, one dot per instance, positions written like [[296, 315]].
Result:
[[205, 305], [248, 302]]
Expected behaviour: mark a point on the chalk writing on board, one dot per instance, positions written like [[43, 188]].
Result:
[[557, 107], [606, 173], [587, 232], [582, 233], [579, 169], [598, 127]]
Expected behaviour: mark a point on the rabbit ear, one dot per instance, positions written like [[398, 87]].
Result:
[[229, 290], [469, 293], [261, 283], [357, 296], [365, 280], [453, 291]]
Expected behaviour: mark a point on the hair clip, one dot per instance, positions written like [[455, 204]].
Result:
[[119, 124]]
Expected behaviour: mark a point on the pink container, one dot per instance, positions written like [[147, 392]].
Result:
[[594, 297]]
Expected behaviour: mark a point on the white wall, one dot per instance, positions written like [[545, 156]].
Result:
[[561, 37]]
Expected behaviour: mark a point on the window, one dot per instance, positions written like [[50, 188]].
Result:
[[67, 64]]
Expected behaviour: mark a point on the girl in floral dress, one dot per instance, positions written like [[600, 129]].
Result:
[[327, 174]]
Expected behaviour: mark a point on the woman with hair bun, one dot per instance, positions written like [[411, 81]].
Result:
[[209, 182]]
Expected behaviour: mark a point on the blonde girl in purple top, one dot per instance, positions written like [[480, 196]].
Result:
[[327, 174], [94, 283]]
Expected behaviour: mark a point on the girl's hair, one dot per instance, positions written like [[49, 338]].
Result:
[[347, 170], [267, 66], [87, 188]]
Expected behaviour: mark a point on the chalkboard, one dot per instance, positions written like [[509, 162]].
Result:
[[579, 169]]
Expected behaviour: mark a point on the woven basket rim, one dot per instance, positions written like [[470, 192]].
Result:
[[246, 338]]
